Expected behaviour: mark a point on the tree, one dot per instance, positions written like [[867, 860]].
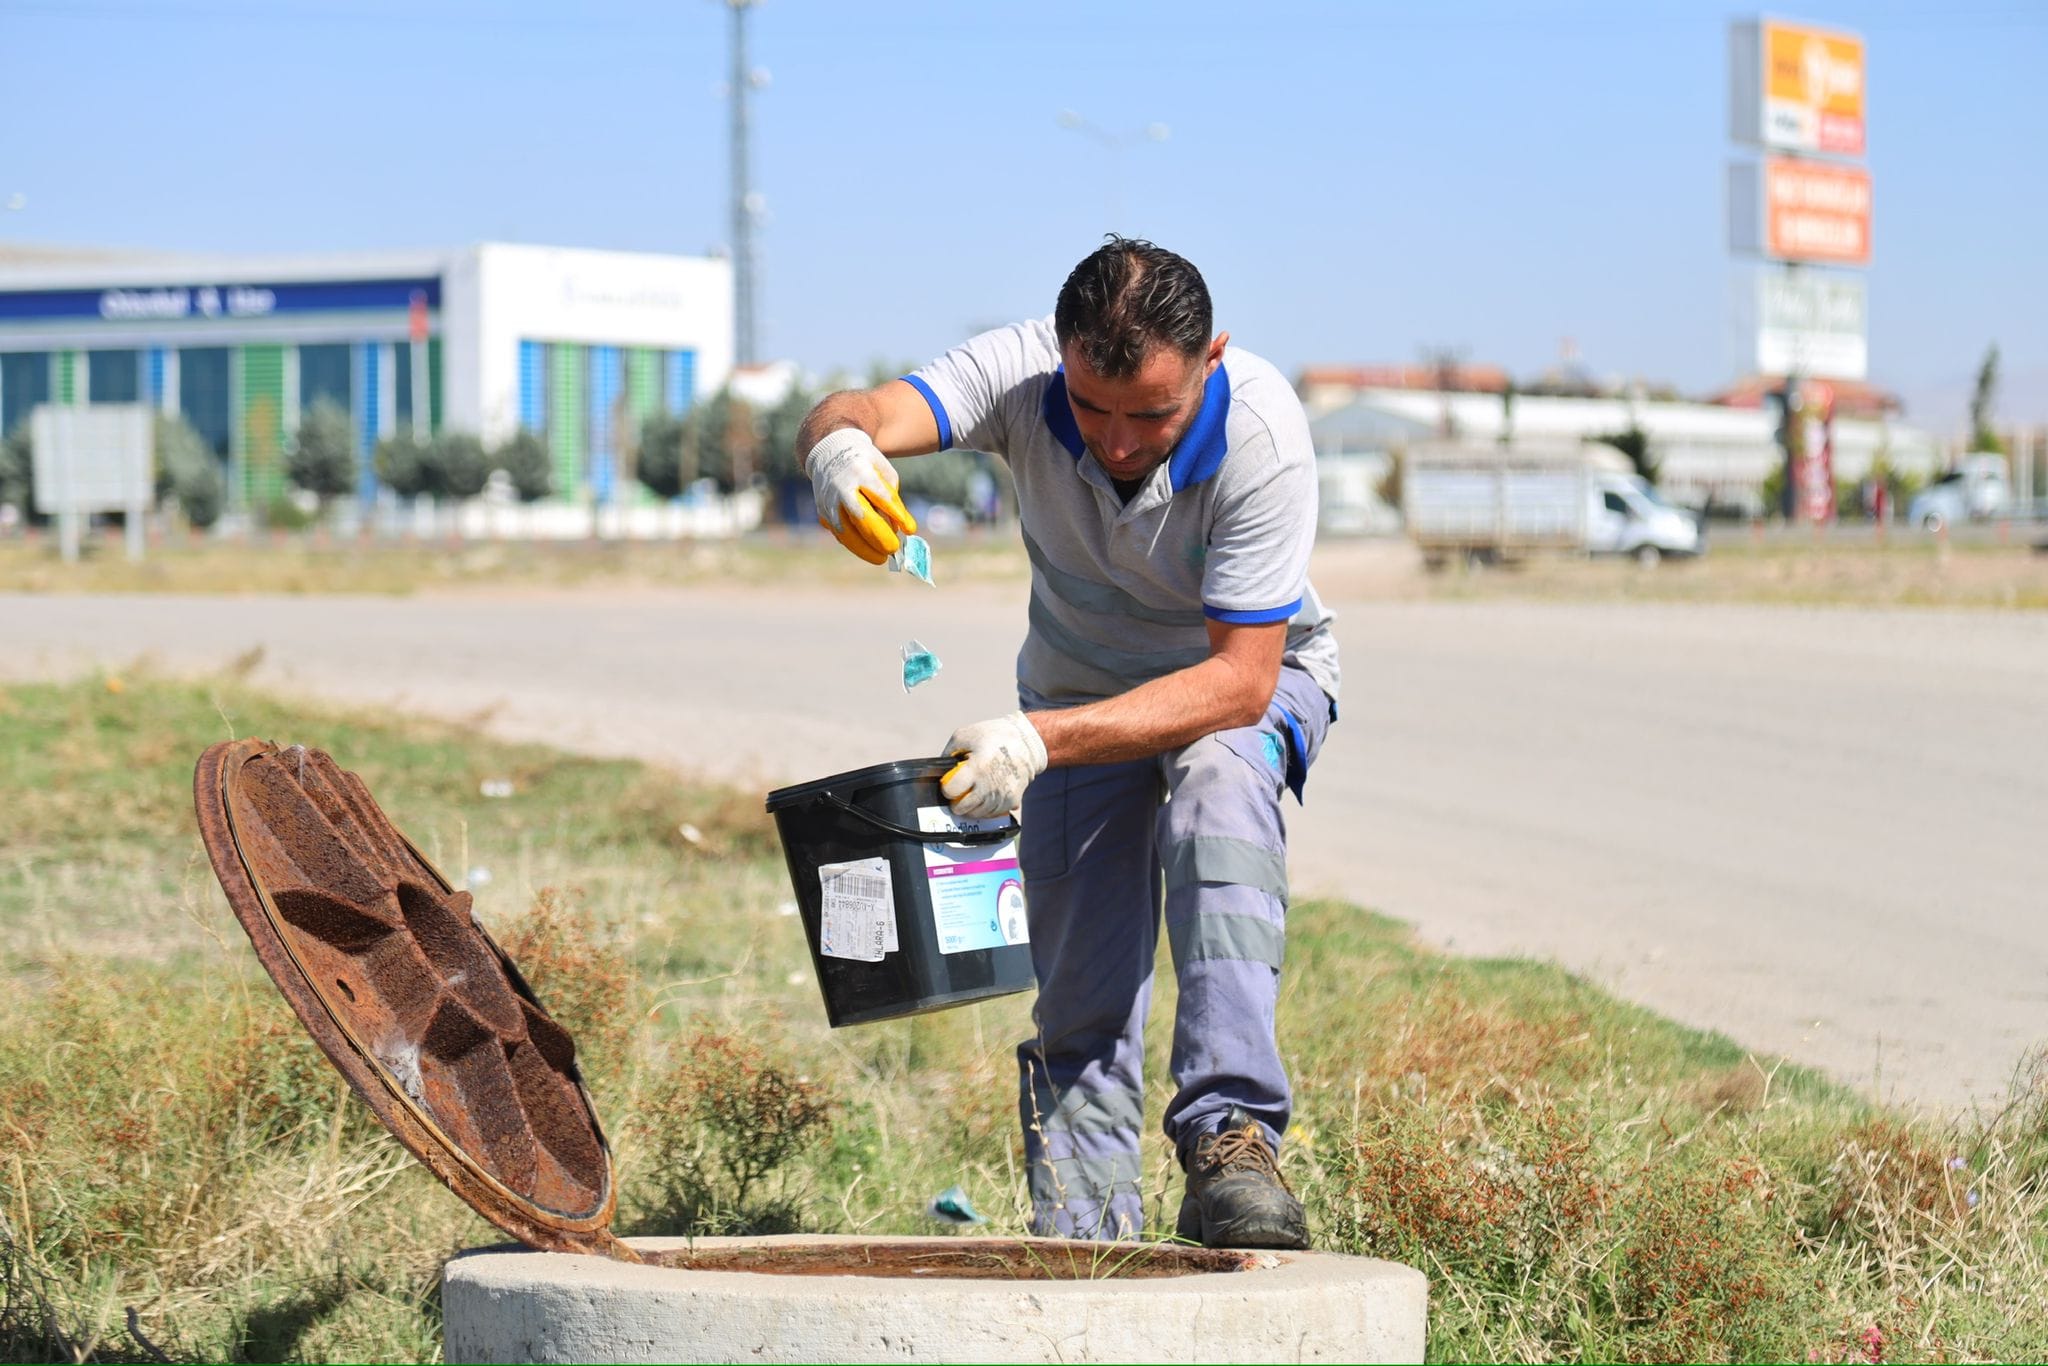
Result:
[[667, 458], [779, 427], [727, 441], [942, 477], [322, 460], [405, 465], [1389, 487], [525, 460], [16, 471], [188, 470], [460, 469], [1634, 443], [1982, 438]]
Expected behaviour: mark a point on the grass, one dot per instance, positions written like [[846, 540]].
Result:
[[1907, 569], [1581, 1179], [312, 562]]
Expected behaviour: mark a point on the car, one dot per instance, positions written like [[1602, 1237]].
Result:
[[1975, 489]]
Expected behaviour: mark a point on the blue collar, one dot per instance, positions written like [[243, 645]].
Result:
[[1201, 449]]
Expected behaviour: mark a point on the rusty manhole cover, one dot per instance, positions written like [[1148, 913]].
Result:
[[420, 1010], [976, 1259]]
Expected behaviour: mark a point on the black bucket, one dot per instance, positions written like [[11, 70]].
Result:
[[907, 908]]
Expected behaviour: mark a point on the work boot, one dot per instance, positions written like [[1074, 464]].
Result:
[[1235, 1194]]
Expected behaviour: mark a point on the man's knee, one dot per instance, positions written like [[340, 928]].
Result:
[[1228, 783]]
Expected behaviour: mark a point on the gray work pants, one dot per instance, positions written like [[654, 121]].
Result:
[[1099, 842]]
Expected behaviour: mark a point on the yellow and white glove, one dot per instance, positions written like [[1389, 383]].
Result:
[[998, 760], [856, 491]]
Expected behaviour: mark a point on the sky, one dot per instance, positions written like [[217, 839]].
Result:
[[1357, 181]]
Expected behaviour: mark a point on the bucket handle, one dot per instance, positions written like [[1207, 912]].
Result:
[[997, 836]]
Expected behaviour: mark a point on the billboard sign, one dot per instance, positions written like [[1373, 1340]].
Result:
[[1810, 324], [206, 303], [1796, 88], [1792, 210], [92, 459]]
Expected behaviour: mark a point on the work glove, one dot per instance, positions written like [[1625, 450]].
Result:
[[856, 491], [998, 760]]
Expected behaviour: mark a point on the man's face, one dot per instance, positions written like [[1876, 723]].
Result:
[[1131, 425]]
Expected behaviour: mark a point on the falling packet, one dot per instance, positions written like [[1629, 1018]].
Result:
[[919, 665], [915, 559], [951, 1206]]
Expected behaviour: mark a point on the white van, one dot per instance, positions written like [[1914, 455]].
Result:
[[1625, 516]]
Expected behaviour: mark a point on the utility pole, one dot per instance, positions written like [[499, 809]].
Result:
[[1115, 142], [746, 339]]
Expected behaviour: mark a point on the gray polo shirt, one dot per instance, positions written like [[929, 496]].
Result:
[[1121, 592]]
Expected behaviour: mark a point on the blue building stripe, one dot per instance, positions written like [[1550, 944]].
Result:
[[201, 302], [607, 377], [369, 405], [153, 377], [679, 381], [533, 387]]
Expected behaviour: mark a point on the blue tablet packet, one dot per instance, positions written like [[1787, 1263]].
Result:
[[919, 665], [915, 558]]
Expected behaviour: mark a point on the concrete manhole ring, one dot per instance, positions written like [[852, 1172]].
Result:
[[840, 1298]]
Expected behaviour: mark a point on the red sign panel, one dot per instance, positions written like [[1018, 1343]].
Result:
[[1816, 212]]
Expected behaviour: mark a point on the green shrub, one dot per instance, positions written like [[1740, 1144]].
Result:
[[720, 1131]]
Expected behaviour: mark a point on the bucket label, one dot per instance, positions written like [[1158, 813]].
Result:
[[858, 917], [977, 893]]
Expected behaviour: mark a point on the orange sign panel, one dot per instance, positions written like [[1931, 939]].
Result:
[[1814, 211], [1813, 89]]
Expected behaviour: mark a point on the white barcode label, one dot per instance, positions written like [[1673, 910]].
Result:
[[857, 919]]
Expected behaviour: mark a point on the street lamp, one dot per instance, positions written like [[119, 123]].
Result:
[[1115, 142]]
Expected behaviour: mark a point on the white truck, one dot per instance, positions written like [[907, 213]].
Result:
[[1488, 504]]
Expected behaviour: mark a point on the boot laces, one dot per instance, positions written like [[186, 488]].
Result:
[[1244, 1150]]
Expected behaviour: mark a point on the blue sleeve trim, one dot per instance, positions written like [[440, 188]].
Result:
[[1252, 618], [938, 409]]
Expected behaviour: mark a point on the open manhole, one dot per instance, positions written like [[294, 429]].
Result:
[[978, 1259]]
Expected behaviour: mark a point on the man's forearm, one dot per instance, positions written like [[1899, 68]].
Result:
[[1179, 709], [836, 412], [894, 416]]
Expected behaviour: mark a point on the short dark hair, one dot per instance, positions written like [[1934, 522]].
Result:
[[1127, 297]]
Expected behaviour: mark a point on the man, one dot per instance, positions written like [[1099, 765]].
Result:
[[1178, 673]]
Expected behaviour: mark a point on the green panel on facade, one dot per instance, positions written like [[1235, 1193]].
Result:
[[643, 383], [262, 414], [566, 417], [67, 377], [643, 400]]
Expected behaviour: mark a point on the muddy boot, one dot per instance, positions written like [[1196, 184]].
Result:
[[1235, 1195]]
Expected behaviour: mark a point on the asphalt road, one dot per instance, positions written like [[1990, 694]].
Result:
[[1820, 831]]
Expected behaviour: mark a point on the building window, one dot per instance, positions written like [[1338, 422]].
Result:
[[24, 383], [113, 377], [324, 373], [204, 396], [401, 384]]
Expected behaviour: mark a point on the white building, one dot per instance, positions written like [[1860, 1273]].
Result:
[[1702, 450], [576, 346]]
